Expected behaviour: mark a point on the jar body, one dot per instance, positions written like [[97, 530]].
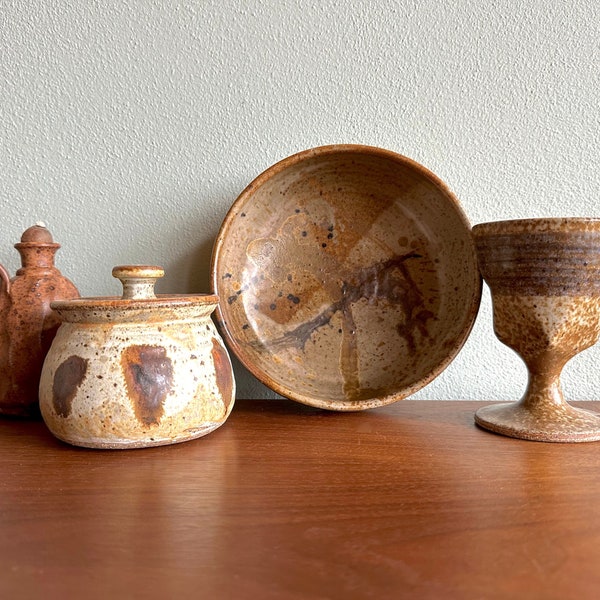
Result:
[[136, 384]]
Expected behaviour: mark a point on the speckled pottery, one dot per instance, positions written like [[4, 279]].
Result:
[[136, 371], [27, 323], [347, 277], [544, 277]]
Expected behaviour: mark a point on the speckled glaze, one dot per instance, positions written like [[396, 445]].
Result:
[[136, 371], [347, 277], [27, 323], [544, 276]]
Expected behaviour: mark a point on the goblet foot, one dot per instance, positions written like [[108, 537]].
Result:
[[542, 423]]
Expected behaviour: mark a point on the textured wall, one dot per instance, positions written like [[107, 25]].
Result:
[[131, 126]]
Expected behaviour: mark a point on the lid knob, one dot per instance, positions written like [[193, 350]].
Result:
[[37, 234], [138, 280], [37, 248]]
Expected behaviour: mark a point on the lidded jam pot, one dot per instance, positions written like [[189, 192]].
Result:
[[136, 371]]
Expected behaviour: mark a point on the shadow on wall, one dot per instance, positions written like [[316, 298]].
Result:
[[190, 274], [197, 269]]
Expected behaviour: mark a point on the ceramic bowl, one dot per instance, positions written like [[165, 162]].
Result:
[[347, 277]]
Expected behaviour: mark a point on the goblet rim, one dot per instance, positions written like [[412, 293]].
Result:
[[537, 225]]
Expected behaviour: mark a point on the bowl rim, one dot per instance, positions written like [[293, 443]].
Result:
[[330, 149]]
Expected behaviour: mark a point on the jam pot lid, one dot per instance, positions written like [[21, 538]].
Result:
[[138, 301]]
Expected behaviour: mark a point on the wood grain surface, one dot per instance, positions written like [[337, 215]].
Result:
[[285, 501]]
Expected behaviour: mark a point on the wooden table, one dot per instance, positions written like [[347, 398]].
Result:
[[289, 502]]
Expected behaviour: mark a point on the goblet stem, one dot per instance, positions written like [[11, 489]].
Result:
[[542, 414], [544, 389]]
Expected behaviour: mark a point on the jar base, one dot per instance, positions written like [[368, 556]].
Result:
[[125, 444]]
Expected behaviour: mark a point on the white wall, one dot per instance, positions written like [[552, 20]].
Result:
[[130, 126]]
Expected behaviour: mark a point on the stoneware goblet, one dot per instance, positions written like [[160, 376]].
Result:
[[544, 277]]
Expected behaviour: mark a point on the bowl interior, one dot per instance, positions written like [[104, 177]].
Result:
[[347, 277]]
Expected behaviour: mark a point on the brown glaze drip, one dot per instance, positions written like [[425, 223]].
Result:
[[149, 377], [67, 379], [374, 283], [223, 371], [388, 280]]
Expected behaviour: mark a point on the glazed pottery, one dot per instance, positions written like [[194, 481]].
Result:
[[544, 277], [141, 370], [27, 323], [347, 277]]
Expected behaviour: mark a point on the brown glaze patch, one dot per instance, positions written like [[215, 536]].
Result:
[[149, 377], [223, 370], [67, 379]]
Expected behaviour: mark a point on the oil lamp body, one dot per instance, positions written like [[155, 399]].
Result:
[[27, 323]]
